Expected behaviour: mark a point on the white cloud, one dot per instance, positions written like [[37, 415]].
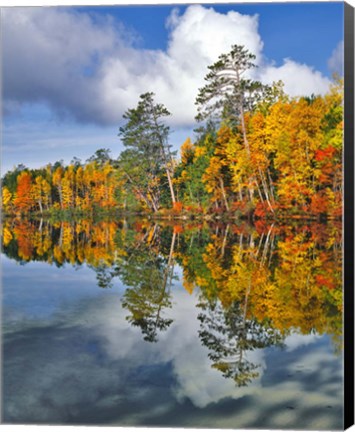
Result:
[[299, 79], [336, 61], [196, 39], [90, 68]]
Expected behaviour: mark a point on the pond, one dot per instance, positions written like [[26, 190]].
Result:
[[194, 325]]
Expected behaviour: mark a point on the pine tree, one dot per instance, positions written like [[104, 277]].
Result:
[[146, 137]]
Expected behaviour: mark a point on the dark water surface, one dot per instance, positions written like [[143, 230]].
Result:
[[133, 323]]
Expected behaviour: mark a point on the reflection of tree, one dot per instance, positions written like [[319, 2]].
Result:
[[104, 275], [230, 336], [148, 276], [289, 275]]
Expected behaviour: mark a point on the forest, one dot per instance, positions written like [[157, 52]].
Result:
[[257, 153]]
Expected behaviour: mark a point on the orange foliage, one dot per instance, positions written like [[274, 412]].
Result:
[[23, 200], [178, 206]]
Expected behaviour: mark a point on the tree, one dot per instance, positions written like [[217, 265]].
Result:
[[141, 178], [228, 95], [189, 173], [41, 190], [23, 199], [147, 139], [101, 157], [6, 198], [58, 181], [68, 187]]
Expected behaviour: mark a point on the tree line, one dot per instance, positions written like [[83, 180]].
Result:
[[256, 151]]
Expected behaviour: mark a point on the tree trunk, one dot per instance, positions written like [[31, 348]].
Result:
[[263, 182], [60, 196], [223, 193], [173, 200]]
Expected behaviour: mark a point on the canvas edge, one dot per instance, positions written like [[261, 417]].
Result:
[[348, 233]]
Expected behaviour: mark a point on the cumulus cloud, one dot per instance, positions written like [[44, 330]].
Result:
[[51, 55], [299, 79], [336, 61], [91, 68]]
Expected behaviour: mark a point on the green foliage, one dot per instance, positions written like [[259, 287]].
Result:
[[227, 92], [148, 149]]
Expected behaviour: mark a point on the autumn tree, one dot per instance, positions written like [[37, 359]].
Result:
[[41, 191], [23, 200], [6, 198], [57, 180]]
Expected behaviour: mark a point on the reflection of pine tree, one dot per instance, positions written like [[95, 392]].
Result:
[[149, 277], [104, 275], [146, 303], [230, 335]]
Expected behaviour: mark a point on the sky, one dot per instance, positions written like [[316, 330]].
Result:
[[69, 73]]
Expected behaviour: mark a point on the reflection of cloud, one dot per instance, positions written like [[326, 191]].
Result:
[[296, 340], [87, 365], [60, 372], [313, 388], [179, 345], [196, 379]]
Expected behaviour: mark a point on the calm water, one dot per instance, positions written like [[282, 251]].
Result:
[[141, 324]]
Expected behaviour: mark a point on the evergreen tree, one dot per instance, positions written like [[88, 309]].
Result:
[[146, 138]]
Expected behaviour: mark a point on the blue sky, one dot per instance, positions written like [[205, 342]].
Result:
[[70, 73]]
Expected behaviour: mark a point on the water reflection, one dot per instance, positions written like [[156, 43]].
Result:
[[257, 288], [230, 336], [284, 277]]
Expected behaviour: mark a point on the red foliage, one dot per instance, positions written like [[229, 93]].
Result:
[[138, 227], [319, 203], [261, 226], [260, 210], [23, 200], [324, 281], [178, 206], [178, 229], [327, 153]]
